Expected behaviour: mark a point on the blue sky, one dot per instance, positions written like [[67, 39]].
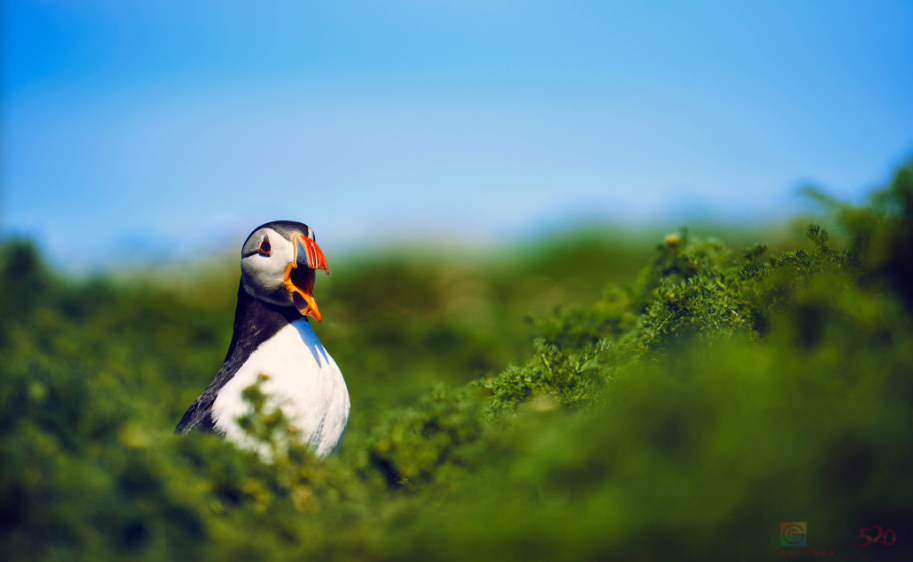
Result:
[[172, 128]]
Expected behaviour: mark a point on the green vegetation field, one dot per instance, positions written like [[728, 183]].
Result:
[[589, 396]]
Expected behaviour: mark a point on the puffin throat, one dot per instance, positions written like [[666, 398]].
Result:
[[300, 283]]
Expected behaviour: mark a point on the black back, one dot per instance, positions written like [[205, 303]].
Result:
[[255, 322]]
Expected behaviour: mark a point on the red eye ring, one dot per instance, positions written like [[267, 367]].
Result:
[[265, 247]]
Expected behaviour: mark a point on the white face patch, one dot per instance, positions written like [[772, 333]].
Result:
[[262, 274]]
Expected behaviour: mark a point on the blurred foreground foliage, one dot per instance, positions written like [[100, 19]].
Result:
[[686, 413]]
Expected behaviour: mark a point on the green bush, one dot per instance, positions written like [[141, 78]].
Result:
[[686, 414]]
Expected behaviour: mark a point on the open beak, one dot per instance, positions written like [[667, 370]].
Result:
[[301, 272]]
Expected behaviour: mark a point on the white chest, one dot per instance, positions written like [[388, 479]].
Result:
[[303, 380]]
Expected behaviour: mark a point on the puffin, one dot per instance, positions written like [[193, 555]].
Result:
[[273, 343]]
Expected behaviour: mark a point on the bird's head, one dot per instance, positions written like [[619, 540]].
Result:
[[279, 262]]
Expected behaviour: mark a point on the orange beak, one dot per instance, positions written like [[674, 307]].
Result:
[[301, 273]]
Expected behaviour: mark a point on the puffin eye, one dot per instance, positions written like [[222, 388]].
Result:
[[265, 247]]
